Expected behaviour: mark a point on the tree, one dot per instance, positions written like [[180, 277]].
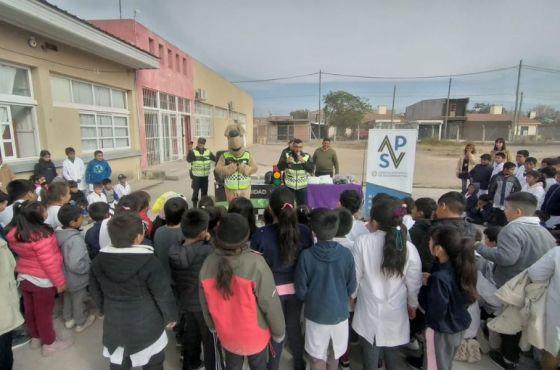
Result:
[[344, 110], [300, 114], [546, 114], [480, 108]]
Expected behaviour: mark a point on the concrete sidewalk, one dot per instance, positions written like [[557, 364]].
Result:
[[86, 354]]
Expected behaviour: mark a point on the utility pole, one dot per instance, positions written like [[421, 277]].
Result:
[[519, 114], [514, 122], [447, 109], [393, 106], [120, 9], [319, 120]]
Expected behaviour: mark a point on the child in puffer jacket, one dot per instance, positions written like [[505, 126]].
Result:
[[39, 268]]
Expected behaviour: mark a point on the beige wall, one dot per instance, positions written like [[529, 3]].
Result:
[[60, 127], [219, 92]]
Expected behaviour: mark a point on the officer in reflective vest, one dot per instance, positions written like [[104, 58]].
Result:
[[201, 160], [296, 165]]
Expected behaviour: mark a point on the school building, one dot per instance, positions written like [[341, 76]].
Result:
[[180, 101], [64, 82]]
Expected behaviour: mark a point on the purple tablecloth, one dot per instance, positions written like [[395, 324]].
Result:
[[327, 195]]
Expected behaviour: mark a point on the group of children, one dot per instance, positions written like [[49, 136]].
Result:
[[232, 290], [496, 176]]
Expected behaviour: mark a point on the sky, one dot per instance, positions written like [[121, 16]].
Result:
[[260, 39]]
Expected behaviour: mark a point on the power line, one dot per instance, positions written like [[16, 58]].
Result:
[[542, 69], [421, 77], [277, 78]]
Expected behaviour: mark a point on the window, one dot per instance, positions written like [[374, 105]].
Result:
[[18, 133], [103, 96], [151, 46], [172, 103], [104, 131], [82, 93], [14, 81], [119, 99], [163, 101], [203, 120], [61, 90], [170, 58], [185, 66], [150, 98], [177, 64], [203, 126], [203, 109], [220, 112], [65, 90], [160, 55]]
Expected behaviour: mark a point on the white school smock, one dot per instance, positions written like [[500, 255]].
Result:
[[74, 171], [381, 308]]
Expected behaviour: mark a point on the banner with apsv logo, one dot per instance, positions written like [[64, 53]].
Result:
[[390, 163]]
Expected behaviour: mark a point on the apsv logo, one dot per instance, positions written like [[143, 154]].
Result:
[[400, 141]]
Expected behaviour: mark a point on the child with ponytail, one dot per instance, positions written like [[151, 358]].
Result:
[[448, 290], [238, 297], [280, 244], [389, 274]]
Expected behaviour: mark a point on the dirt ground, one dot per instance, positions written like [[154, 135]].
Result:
[[435, 164]]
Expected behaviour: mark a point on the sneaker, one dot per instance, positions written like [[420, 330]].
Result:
[[35, 343], [100, 316], [20, 338], [499, 360], [89, 322], [57, 345], [69, 324], [345, 364]]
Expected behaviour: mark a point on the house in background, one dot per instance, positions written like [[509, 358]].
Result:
[[381, 118], [280, 129], [165, 95], [489, 126], [64, 82], [428, 115]]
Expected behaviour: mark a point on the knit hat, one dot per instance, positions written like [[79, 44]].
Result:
[[233, 231]]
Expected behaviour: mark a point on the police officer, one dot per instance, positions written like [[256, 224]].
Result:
[[296, 166], [201, 160]]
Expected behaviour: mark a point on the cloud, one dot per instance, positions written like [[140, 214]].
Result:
[[254, 39]]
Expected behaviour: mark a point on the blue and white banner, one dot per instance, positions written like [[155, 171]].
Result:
[[390, 163]]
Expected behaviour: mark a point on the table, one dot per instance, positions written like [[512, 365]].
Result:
[[327, 195]]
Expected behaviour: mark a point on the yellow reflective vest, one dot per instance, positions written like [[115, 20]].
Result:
[[295, 176], [237, 180], [201, 164]]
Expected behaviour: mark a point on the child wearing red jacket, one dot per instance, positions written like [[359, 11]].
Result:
[[39, 268]]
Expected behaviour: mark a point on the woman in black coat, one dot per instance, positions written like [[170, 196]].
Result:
[[45, 167]]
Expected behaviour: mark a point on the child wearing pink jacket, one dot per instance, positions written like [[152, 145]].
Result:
[[39, 268]]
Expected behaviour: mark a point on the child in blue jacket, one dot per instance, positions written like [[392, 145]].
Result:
[[325, 280], [97, 169]]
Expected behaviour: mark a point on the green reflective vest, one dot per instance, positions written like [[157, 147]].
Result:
[[237, 180], [295, 176], [201, 164]]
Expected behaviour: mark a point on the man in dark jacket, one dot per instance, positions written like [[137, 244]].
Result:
[[186, 259], [297, 165], [128, 281]]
